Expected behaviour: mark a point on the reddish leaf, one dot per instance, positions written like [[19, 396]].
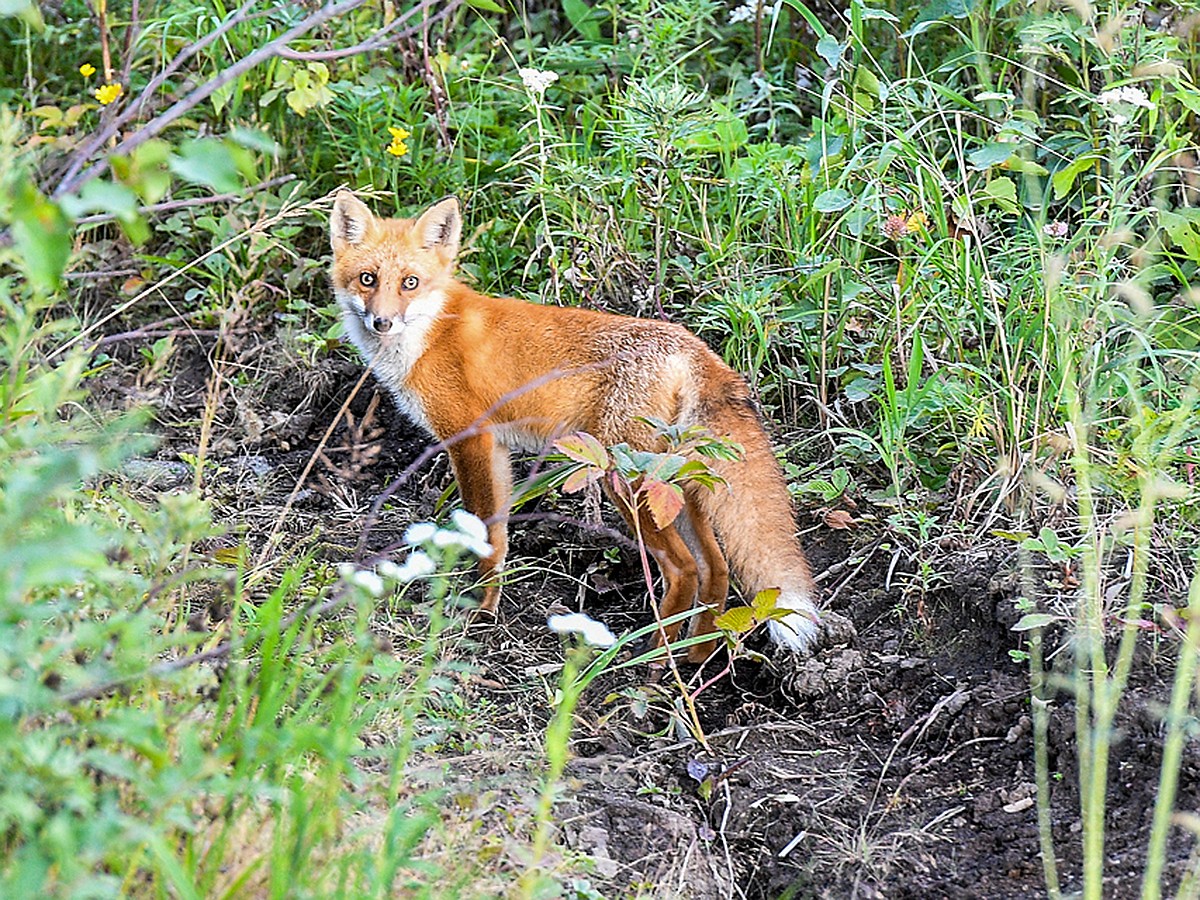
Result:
[[579, 479], [584, 448], [663, 500]]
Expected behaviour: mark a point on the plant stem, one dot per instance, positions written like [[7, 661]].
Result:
[[1177, 718]]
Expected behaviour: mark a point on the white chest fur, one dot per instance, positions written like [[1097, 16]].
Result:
[[392, 356]]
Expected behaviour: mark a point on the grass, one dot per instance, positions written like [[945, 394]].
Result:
[[941, 252]]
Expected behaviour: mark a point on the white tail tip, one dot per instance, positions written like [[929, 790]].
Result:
[[796, 632]]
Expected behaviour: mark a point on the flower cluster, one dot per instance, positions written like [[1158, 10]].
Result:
[[537, 80], [108, 93], [397, 147], [1122, 101], [594, 634], [747, 12], [468, 534]]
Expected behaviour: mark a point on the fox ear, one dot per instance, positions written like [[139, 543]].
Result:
[[440, 226], [350, 221]]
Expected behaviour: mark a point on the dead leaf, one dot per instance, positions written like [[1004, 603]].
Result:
[[839, 518]]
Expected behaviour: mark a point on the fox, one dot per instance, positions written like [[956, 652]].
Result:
[[490, 376]]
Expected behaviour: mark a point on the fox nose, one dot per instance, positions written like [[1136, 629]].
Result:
[[379, 324]]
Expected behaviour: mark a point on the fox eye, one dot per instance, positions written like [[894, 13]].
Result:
[[367, 279], [410, 282]]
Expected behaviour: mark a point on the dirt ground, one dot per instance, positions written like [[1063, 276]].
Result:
[[896, 762]]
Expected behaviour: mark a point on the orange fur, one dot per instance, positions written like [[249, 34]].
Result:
[[516, 375]]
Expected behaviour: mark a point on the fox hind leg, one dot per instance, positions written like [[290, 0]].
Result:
[[697, 533], [680, 570]]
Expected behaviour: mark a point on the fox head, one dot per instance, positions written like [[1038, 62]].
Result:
[[392, 272]]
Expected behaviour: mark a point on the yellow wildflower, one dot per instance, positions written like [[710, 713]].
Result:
[[918, 221], [107, 93], [397, 147], [87, 70]]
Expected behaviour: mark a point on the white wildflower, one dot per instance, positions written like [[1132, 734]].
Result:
[[419, 533], [368, 581], [1122, 101], [418, 565], [537, 80], [595, 634], [447, 538], [747, 12], [1129, 95], [470, 525]]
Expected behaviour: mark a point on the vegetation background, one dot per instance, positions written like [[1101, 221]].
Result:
[[952, 247]]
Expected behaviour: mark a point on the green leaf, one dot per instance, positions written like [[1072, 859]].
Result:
[[833, 200], [145, 170], [486, 6], [1065, 177], [830, 50], [210, 162], [724, 134], [813, 20], [1030, 621], [866, 79], [110, 197], [738, 620], [1002, 192], [102, 196], [870, 12], [254, 139], [990, 154], [938, 10], [582, 18], [42, 236], [764, 602]]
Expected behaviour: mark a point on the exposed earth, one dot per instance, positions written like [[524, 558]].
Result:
[[896, 762]]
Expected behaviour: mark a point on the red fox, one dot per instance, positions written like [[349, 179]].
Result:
[[513, 375]]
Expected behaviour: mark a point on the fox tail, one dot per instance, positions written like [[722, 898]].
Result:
[[753, 519]]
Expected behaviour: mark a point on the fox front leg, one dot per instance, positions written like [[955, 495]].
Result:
[[484, 472]]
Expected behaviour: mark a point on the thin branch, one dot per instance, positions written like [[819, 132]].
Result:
[[269, 50], [206, 90], [135, 108], [172, 205], [132, 31], [155, 333], [380, 39]]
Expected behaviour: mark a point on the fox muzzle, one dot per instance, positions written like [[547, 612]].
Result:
[[379, 324]]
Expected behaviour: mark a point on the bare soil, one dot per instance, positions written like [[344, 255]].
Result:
[[896, 762]]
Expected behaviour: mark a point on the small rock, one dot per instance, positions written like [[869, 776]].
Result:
[[836, 628], [157, 474]]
